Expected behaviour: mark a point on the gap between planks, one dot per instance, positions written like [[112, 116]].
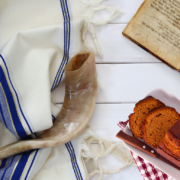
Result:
[[116, 103], [130, 63]]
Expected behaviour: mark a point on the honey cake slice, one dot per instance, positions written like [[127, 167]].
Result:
[[137, 118], [157, 122], [170, 146]]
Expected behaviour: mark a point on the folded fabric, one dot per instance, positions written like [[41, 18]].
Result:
[[29, 67], [147, 170], [37, 39]]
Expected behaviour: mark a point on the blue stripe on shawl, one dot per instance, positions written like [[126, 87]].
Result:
[[2, 115], [15, 94], [72, 162], [21, 165], [3, 163], [65, 59], [59, 75], [75, 161], [31, 164], [6, 172], [53, 118], [7, 97], [75, 165], [13, 167], [67, 23]]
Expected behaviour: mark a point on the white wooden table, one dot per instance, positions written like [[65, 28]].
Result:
[[126, 73]]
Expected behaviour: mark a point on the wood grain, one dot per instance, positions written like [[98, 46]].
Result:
[[128, 83], [127, 7], [118, 49]]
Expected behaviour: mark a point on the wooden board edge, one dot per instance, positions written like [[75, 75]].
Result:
[[132, 19], [143, 47]]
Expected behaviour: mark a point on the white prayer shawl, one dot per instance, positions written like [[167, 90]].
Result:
[[37, 39]]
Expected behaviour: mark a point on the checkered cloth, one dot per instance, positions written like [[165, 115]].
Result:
[[147, 170]]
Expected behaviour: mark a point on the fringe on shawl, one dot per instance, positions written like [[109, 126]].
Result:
[[94, 166], [89, 9]]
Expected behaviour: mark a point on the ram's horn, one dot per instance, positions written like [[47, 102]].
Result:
[[78, 106]]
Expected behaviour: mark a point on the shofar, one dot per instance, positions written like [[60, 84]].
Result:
[[78, 106]]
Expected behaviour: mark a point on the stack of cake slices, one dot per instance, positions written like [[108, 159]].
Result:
[[170, 146], [159, 126]]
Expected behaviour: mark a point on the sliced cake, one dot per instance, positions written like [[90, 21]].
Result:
[[137, 119], [157, 122], [170, 146]]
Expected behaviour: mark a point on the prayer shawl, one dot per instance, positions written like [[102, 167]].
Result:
[[37, 39]]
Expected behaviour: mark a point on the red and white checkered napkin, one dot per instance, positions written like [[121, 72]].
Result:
[[147, 170]]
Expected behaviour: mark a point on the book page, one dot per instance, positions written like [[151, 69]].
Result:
[[156, 26]]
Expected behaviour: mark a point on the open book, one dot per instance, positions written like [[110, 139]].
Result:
[[156, 28]]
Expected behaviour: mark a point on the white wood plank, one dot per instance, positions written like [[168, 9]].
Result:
[[118, 49], [128, 7], [130, 82], [105, 118]]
